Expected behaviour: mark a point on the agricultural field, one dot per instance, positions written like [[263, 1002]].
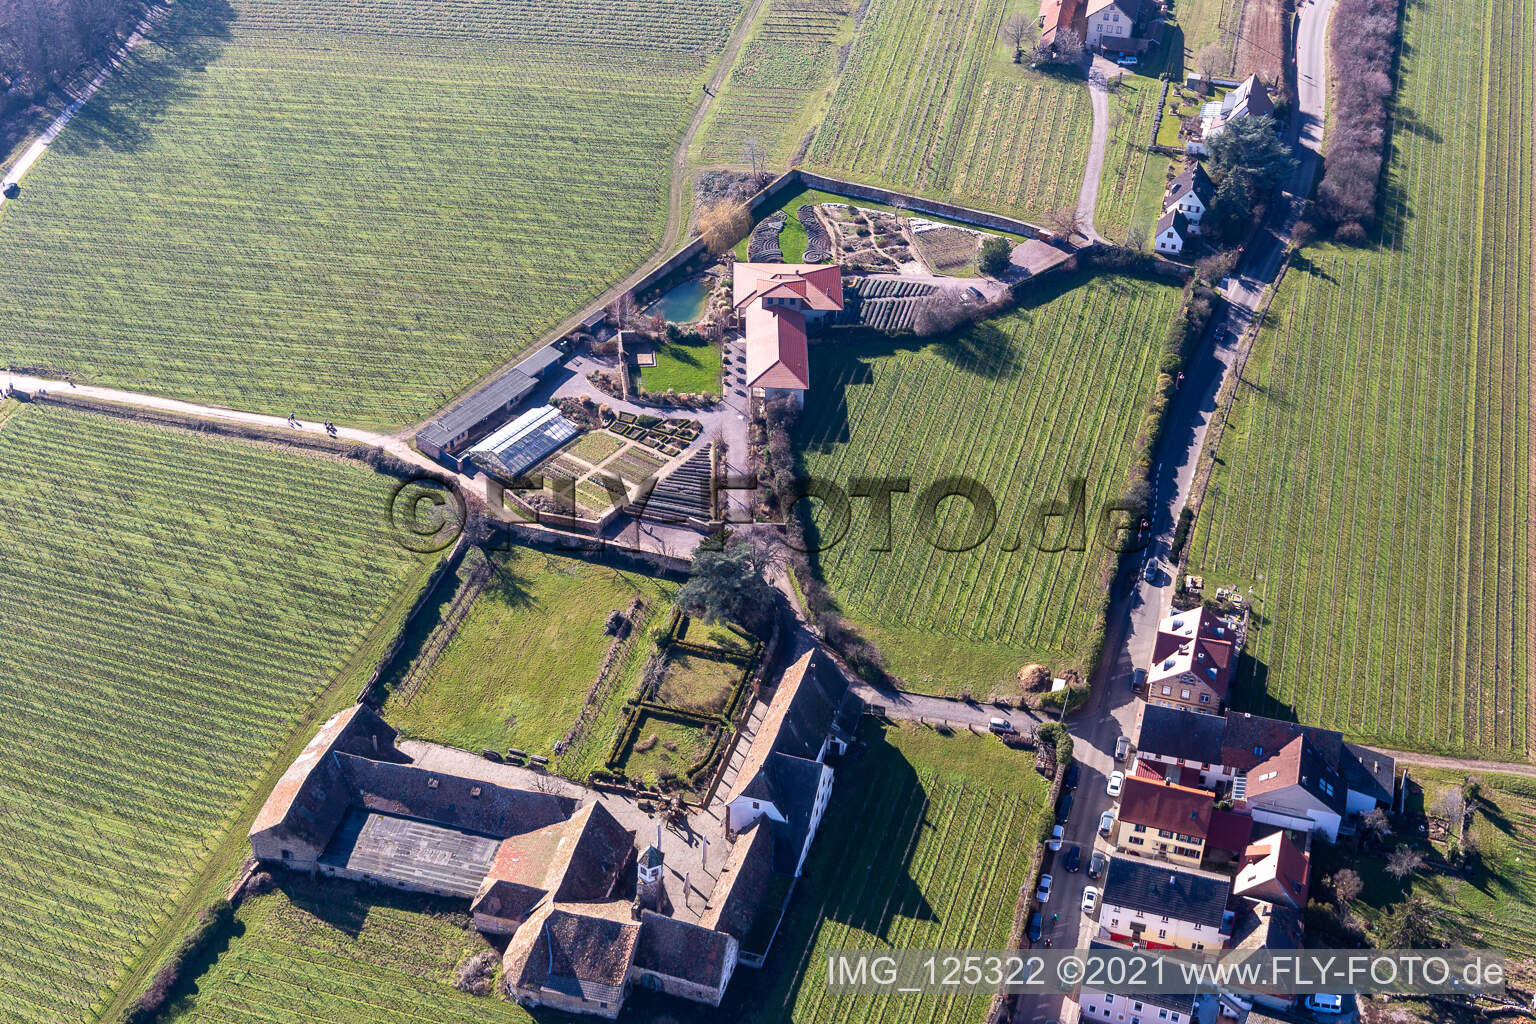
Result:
[[937, 833], [318, 951], [1373, 486], [931, 102], [388, 203], [173, 605], [1023, 405], [780, 86], [1250, 34], [517, 669], [1134, 178]]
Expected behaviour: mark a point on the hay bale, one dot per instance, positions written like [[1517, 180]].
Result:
[[1034, 677]]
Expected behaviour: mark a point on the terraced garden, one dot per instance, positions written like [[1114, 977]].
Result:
[[930, 102], [173, 604], [386, 203], [1374, 481], [1022, 405], [780, 84]]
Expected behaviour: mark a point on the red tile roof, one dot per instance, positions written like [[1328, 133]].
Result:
[[776, 348], [1229, 831], [1163, 805], [1274, 869], [1059, 14], [819, 286]]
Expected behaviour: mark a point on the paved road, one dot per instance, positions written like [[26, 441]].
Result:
[[1137, 605], [901, 704], [1099, 73]]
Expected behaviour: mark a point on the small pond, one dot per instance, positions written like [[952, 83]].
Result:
[[684, 303]]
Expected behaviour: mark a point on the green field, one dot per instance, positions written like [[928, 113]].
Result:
[[1022, 405], [173, 605], [780, 85], [315, 952], [930, 102], [1373, 487], [1134, 178], [518, 668], [690, 365], [350, 212]]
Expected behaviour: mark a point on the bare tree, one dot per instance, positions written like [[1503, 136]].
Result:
[[1068, 47], [1375, 824], [1404, 861], [1065, 221], [1451, 806], [1019, 29], [1213, 61], [757, 159], [946, 310], [1346, 885], [1136, 238], [621, 311]]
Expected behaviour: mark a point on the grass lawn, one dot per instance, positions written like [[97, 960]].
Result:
[[926, 844], [663, 745], [1373, 489], [517, 671], [1134, 178], [719, 635], [175, 603], [690, 365], [1023, 405], [696, 683], [390, 201]]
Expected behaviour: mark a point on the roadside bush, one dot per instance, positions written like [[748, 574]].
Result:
[[1181, 532], [993, 258], [211, 924], [1363, 42], [474, 974]]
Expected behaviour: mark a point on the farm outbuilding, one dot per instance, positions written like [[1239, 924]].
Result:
[[471, 419]]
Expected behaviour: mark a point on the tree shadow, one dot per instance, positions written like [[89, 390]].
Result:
[[1303, 262], [153, 79]]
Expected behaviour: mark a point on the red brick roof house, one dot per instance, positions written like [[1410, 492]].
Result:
[[1160, 819], [774, 301], [1193, 662], [1296, 788], [1056, 15], [1274, 869]]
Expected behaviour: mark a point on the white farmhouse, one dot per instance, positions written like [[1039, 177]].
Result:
[[1173, 231]]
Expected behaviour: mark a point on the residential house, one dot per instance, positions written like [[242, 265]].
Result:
[[775, 302], [1295, 788], [1368, 775], [1111, 24], [1144, 1007], [1190, 194], [1056, 15], [1173, 233], [1249, 99], [1274, 869], [1185, 745], [575, 958], [1193, 656], [1228, 838], [1160, 819], [784, 776], [1259, 925], [1160, 906]]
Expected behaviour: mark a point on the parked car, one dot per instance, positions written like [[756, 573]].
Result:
[[1106, 823], [1128, 62], [1138, 680], [1096, 864], [1074, 859], [1321, 1003], [1036, 926], [1122, 748], [1153, 573], [1056, 834], [1043, 893], [1064, 809], [1090, 899], [1000, 725], [1073, 774], [1116, 782]]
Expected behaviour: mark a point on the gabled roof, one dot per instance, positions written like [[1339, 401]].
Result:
[[1173, 219], [795, 782], [1181, 734], [1192, 641], [799, 716], [777, 356], [819, 286], [1249, 740], [1298, 763], [1192, 180], [1130, 8], [1249, 99], [743, 881], [580, 949], [1178, 1002], [1257, 924], [1155, 887], [1056, 15], [579, 859], [682, 950], [408, 791], [1274, 869], [1162, 805]]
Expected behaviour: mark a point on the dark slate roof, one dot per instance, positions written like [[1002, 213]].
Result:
[[1193, 179], [682, 950], [1179, 1002], [1250, 740], [794, 781], [1369, 771], [1157, 888], [537, 364], [798, 719], [1185, 735], [743, 881], [407, 791], [1174, 219], [508, 389]]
